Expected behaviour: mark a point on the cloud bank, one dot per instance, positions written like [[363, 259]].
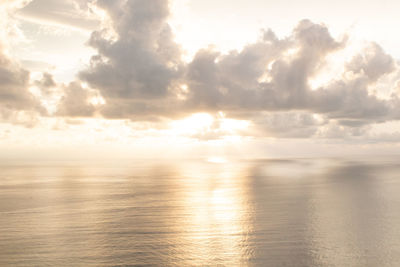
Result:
[[139, 73]]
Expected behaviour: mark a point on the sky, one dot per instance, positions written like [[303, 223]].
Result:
[[207, 78]]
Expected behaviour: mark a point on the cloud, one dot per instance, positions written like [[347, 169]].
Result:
[[233, 82], [34, 65], [71, 13], [76, 101], [335, 130], [13, 85], [19, 117], [14, 80], [144, 59], [373, 62], [46, 84], [288, 124], [139, 71]]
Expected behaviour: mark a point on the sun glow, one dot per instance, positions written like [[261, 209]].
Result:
[[209, 127], [217, 160], [193, 124], [97, 100]]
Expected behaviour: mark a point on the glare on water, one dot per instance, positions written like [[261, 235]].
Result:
[[302, 212]]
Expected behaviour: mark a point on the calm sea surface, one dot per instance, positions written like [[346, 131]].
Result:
[[305, 212]]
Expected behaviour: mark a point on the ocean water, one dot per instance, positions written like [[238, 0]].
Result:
[[288, 212]]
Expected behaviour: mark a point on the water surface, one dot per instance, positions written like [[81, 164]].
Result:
[[297, 212]]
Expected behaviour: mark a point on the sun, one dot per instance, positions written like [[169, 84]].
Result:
[[193, 124], [217, 160], [205, 124]]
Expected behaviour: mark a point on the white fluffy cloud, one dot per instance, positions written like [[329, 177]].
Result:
[[139, 72]]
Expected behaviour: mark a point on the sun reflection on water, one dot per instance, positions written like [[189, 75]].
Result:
[[217, 211]]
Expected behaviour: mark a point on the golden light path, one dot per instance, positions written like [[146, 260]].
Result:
[[215, 202]]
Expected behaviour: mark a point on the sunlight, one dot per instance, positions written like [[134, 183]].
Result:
[[97, 100], [193, 124], [232, 125], [204, 126], [215, 200], [217, 160]]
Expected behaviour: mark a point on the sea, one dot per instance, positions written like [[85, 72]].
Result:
[[200, 212]]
